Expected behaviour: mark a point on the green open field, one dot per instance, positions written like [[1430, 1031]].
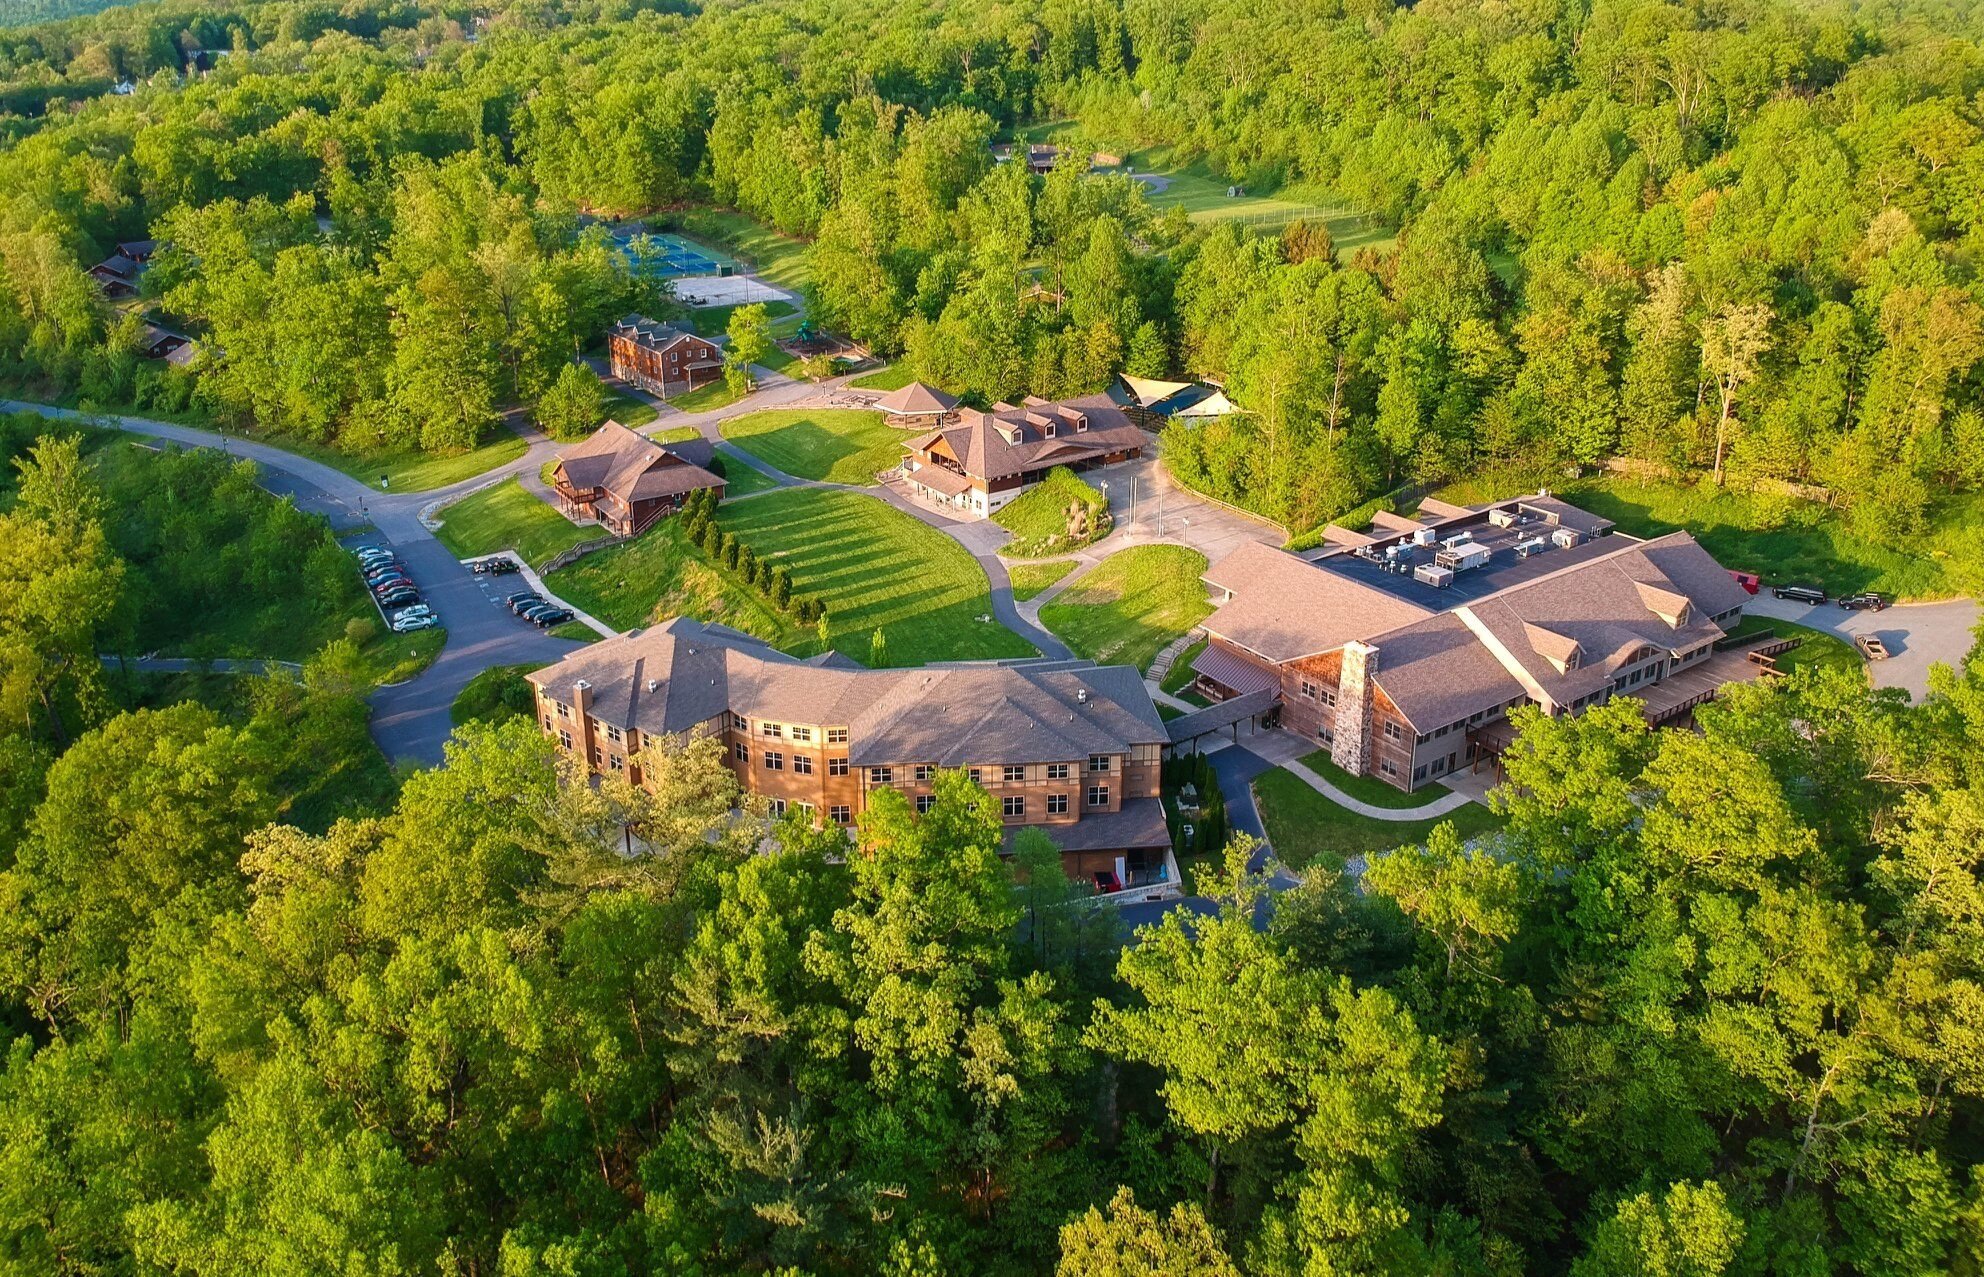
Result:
[[877, 568], [714, 321], [506, 517], [1127, 609], [838, 445], [872, 565], [409, 469], [629, 411], [1030, 579], [1370, 789], [1191, 184], [1038, 517], [740, 479], [778, 258], [717, 394], [1307, 828], [676, 434], [894, 377]]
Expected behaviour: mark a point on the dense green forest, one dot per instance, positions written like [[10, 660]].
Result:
[[1714, 1003], [1740, 239]]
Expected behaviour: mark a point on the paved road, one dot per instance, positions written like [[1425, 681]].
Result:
[[1917, 634]]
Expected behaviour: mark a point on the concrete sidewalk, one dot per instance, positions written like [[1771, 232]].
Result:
[[536, 582], [1286, 750]]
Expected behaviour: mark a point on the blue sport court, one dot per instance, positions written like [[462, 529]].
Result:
[[671, 256]]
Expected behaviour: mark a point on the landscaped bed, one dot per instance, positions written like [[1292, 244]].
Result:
[[873, 567], [1369, 789], [1307, 828], [1126, 610], [837, 445], [506, 517], [1044, 519]]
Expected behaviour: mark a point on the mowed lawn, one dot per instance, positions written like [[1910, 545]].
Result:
[[893, 377], [876, 568], [506, 517], [1125, 611], [659, 575], [1307, 828], [409, 469], [837, 445]]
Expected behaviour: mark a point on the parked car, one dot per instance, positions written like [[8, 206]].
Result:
[[549, 617], [400, 597], [1799, 593], [520, 596], [522, 605], [1871, 647], [393, 582], [415, 609], [376, 556], [1866, 601], [537, 609], [408, 624], [1750, 581], [494, 567], [384, 570]]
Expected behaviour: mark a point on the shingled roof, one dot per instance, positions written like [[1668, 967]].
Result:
[[681, 674], [1284, 608], [1034, 436], [630, 466], [916, 400]]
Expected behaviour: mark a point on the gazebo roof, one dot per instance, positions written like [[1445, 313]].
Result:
[[916, 399]]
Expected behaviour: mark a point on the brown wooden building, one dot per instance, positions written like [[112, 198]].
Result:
[[662, 359], [982, 460], [625, 481], [1066, 746]]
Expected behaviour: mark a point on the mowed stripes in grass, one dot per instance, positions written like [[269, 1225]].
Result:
[[876, 568]]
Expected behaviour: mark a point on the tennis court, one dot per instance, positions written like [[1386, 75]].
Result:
[[671, 256]]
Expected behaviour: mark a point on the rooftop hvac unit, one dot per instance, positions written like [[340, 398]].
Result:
[[1532, 546], [1565, 538], [1458, 539], [1438, 578], [1423, 536], [1462, 558], [1502, 518], [1400, 552]]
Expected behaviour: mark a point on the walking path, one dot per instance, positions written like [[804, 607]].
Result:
[[1161, 664]]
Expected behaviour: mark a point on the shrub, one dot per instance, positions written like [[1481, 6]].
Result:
[[781, 588], [717, 468], [747, 564], [730, 550]]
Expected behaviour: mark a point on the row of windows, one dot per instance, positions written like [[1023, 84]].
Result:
[[1316, 692], [1014, 805], [1011, 773], [804, 735]]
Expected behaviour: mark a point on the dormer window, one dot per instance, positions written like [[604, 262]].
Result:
[[1047, 431]]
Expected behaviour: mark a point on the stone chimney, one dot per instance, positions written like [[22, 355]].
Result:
[[1350, 747]]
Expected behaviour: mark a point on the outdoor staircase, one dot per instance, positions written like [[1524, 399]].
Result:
[[1162, 663]]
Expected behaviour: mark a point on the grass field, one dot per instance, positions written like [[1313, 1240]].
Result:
[[740, 480], [1038, 518], [714, 321], [778, 258], [1127, 609], [1180, 675], [676, 434], [1370, 789], [894, 377], [1191, 184], [395, 658], [1307, 828], [408, 469], [876, 568], [628, 411], [1820, 649], [1030, 579], [717, 394], [658, 575], [506, 517], [837, 445]]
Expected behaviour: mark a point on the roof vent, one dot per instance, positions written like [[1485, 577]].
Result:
[[581, 685], [1081, 694], [653, 684]]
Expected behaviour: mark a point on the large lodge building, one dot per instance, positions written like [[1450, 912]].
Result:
[[1066, 745]]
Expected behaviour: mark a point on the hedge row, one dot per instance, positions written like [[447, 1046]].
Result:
[[775, 583]]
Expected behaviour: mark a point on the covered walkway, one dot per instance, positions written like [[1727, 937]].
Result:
[[1259, 710]]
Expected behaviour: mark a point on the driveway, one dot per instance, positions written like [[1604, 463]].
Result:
[[1917, 635], [1148, 505]]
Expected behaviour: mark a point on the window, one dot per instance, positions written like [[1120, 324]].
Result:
[[1012, 805], [925, 771], [924, 802], [778, 806], [565, 739], [1057, 771], [1010, 772], [740, 722], [1098, 795], [1388, 767], [836, 736], [612, 732], [547, 722], [974, 775], [802, 765], [1098, 762], [1309, 689], [1057, 804], [1325, 735], [839, 814], [1419, 773], [836, 767], [881, 775], [774, 761], [806, 810], [802, 733], [1392, 732], [741, 752], [674, 357], [1328, 697], [771, 729], [616, 762], [564, 710]]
